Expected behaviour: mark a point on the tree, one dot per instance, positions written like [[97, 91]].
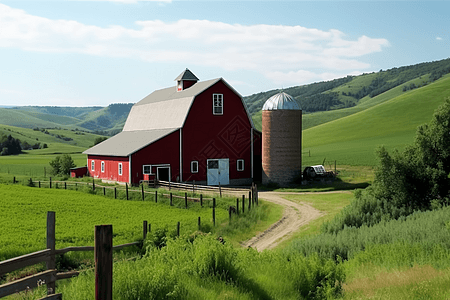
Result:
[[100, 139], [61, 165], [415, 179]]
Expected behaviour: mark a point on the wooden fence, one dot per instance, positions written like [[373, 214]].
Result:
[[103, 263], [102, 249], [253, 191]]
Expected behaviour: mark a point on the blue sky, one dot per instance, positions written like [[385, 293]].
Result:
[[86, 53]]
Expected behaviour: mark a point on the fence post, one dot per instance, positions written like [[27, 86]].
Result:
[[144, 227], [201, 200], [104, 191], [220, 190], [214, 212], [185, 200], [156, 196], [51, 264], [149, 227], [143, 196], [193, 188], [39, 184], [103, 262], [256, 194], [155, 183], [178, 229], [199, 224], [170, 199], [50, 182], [115, 193], [249, 204], [126, 189], [250, 198], [237, 206], [93, 184], [335, 171], [65, 185], [169, 185], [229, 213], [14, 179], [243, 204], [76, 186]]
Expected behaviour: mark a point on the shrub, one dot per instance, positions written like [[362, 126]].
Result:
[[61, 165]]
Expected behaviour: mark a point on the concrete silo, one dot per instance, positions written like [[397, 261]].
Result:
[[281, 140]]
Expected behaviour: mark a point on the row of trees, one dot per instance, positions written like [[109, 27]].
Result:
[[11, 146]]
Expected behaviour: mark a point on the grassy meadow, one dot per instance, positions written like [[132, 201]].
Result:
[[35, 163], [352, 140]]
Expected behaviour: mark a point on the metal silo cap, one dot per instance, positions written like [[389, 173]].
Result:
[[281, 101]]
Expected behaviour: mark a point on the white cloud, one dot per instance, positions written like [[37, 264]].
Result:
[[123, 1], [438, 38], [281, 53]]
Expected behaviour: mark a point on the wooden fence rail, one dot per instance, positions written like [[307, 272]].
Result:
[[103, 262], [51, 275]]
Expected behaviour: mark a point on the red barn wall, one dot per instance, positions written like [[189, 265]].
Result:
[[208, 136], [163, 151], [111, 167]]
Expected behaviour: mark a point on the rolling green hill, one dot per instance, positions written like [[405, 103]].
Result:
[[73, 138], [107, 120], [351, 90], [351, 140]]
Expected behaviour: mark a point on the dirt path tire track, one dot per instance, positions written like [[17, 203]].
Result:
[[295, 216]]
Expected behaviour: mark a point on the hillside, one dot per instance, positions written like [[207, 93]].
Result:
[[51, 137], [351, 140], [349, 91], [106, 120]]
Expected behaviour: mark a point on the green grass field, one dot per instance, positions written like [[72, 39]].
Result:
[[24, 212], [352, 140]]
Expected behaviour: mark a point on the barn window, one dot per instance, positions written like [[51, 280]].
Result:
[[103, 166], [92, 165], [240, 165], [217, 104], [194, 166], [120, 168], [147, 169]]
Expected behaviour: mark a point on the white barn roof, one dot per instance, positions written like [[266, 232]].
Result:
[[128, 142], [157, 115], [166, 108]]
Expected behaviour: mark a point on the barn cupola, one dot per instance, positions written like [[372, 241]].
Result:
[[185, 80]]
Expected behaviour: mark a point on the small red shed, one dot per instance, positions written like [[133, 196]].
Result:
[[196, 130], [78, 172]]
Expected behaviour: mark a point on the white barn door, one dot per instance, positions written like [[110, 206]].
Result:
[[218, 171]]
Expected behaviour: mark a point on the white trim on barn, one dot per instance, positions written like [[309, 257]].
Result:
[[251, 152], [129, 168], [181, 156]]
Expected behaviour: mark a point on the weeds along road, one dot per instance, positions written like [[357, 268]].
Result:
[[295, 216]]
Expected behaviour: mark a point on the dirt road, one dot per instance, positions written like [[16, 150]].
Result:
[[295, 215]]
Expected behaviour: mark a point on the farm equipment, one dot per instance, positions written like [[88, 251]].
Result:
[[316, 172]]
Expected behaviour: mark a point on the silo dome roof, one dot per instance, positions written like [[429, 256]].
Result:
[[281, 101]]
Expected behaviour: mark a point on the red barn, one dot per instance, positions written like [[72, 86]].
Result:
[[196, 130]]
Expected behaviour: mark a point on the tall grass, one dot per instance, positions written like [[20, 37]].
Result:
[[204, 268], [427, 230]]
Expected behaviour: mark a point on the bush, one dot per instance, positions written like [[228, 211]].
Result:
[[415, 180], [61, 165]]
